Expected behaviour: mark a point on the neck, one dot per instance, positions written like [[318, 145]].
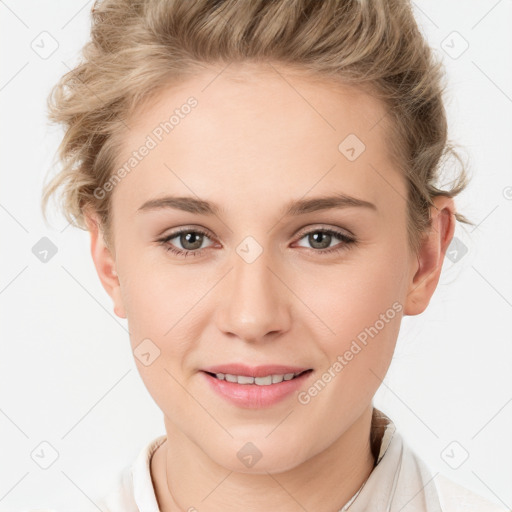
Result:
[[323, 483]]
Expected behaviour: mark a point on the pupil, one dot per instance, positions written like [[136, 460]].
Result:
[[313, 240], [185, 239]]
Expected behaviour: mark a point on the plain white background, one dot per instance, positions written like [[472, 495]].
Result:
[[67, 375]]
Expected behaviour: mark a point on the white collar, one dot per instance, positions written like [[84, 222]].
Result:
[[400, 481]]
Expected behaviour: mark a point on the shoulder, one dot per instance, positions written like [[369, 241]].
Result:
[[456, 498], [121, 497], [134, 490]]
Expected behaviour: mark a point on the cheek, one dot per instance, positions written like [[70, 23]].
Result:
[[165, 306], [360, 306], [158, 312], [349, 298], [157, 304]]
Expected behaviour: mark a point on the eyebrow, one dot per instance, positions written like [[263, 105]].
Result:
[[293, 208]]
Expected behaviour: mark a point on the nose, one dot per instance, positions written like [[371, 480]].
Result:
[[254, 303]]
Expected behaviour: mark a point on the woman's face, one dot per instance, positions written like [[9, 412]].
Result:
[[250, 157]]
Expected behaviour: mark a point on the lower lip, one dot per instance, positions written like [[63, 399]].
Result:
[[253, 396]]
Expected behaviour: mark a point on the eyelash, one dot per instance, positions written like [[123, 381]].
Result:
[[347, 241]]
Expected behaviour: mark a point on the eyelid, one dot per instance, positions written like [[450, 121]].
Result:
[[188, 229], [323, 227], [347, 240], [304, 231]]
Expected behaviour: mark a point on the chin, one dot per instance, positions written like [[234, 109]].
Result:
[[266, 465], [259, 456]]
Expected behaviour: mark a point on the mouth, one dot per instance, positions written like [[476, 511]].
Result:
[[265, 380], [255, 387]]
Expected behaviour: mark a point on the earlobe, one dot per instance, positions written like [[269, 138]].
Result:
[[104, 263], [430, 256]]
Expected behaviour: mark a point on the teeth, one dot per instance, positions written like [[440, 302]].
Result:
[[260, 381]]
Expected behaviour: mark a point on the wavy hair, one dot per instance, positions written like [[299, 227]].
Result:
[[139, 47]]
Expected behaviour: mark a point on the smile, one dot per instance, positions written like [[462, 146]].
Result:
[[256, 392], [266, 380]]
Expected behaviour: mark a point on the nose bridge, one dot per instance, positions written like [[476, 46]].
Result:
[[253, 301]]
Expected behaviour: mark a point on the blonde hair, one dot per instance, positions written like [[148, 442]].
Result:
[[139, 48]]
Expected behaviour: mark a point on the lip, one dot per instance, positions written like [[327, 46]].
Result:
[[254, 371], [253, 396]]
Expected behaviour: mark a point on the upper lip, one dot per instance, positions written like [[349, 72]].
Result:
[[254, 371]]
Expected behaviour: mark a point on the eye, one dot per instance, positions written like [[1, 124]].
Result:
[[190, 239], [321, 239]]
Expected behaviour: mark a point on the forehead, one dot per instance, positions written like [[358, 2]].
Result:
[[266, 91], [267, 130]]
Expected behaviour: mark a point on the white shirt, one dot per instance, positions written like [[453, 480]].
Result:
[[399, 482]]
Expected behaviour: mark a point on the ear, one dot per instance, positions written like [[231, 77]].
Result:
[[430, 257], [104, 263]]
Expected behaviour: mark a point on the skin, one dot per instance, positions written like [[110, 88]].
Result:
[[255, 142]]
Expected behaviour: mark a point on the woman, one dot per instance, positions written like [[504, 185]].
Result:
[[212, 150]]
